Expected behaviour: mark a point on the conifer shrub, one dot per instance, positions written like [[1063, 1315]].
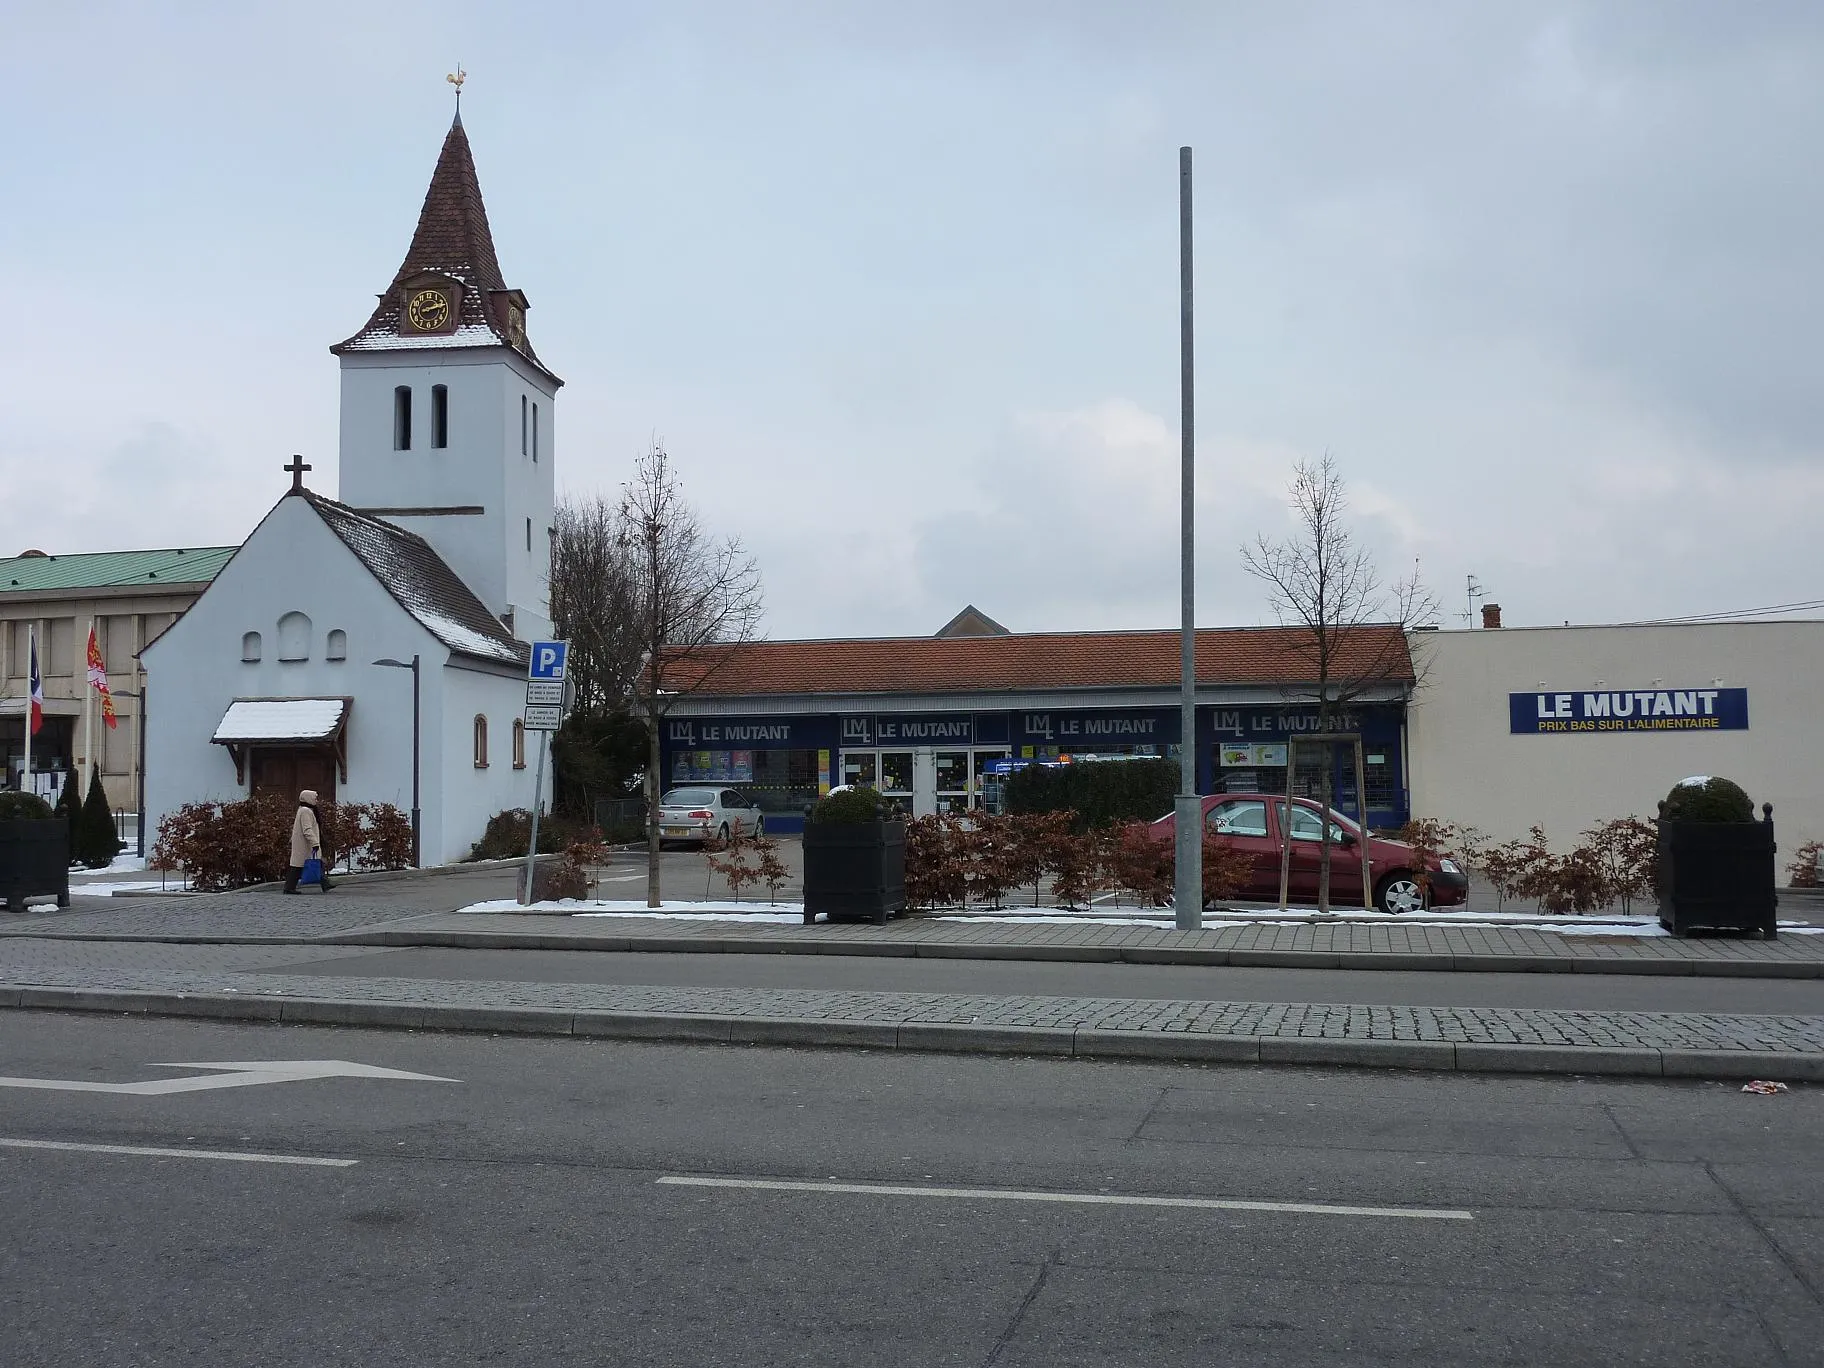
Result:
[[93, 841]]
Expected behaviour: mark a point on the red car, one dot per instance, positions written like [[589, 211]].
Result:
[[1250, 823]]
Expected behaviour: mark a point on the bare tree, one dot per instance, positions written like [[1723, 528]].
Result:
[[1351, 627], [694, 597], [595, 602]]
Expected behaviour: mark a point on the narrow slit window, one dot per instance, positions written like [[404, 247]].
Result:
[[481, 741], [528, 534], [535, 433], [402, 418], [519, 743], [440, 415], [522, 424]]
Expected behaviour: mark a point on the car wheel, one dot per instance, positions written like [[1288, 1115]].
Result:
[[1400, 892], [722, 834], [759, 826]]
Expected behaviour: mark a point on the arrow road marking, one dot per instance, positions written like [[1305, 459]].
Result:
[[237, 1075], [1086, 1198], [153, 1152]]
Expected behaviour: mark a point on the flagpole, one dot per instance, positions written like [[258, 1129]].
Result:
[[88, 721], [31, 665]]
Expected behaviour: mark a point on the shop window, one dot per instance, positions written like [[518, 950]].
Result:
[[250, 647], [402, 418], [1378, 773], [337, 646], [519, 743], [440, 416], [294, 637]]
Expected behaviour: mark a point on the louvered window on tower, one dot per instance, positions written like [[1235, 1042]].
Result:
[[440, 416], [402, 418]]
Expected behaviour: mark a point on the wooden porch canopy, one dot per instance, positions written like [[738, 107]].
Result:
[[291, 723]]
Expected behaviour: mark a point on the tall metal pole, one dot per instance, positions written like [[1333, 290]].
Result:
[[1187, 865], [538, 790], [417, 816]]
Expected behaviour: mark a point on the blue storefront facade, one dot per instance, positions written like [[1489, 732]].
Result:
[[936, 757]]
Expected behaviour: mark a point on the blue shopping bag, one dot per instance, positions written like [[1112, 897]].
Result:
[[313, 871]]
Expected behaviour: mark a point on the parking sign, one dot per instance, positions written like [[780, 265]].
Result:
[[548, 660]]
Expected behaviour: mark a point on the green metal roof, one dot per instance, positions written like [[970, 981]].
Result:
[[112, 569]]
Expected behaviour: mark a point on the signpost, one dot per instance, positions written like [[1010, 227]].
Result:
[[545, 676]]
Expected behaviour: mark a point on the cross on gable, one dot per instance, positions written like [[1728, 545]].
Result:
[[297, 469]]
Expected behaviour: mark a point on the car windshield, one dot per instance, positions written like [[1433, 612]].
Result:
[[688, 798]]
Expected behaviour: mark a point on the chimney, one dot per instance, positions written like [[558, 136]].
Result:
[[1491, 615]]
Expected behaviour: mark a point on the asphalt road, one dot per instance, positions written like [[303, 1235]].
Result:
[[1592, 992], [520, 1213]]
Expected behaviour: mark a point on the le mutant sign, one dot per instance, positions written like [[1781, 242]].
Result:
[[1584, 713]]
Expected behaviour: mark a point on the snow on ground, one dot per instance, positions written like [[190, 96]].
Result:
[[1634, 927]]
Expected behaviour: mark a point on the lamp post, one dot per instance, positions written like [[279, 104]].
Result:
[[417, 824]]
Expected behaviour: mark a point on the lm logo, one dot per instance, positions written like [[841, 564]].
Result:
[[1039, 724], [858, 731], [684, 732]]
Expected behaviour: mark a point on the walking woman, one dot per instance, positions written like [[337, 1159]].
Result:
[[306, 841]]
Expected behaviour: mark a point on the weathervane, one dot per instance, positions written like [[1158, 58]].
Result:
[[456, 78]]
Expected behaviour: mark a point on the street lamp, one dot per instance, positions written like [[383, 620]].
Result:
[[417, 824]]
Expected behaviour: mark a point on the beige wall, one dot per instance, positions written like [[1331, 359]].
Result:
[[1466, 767], [124, 622]]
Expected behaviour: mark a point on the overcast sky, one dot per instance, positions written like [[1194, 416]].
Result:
[[897, 283]]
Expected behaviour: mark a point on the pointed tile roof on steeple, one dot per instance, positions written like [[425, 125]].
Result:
[[452, 239]]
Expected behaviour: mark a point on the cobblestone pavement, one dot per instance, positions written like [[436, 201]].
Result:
[[415, 913], [237, 970]]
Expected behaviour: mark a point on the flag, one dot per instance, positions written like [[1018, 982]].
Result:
[[37, 691], [98, 680]]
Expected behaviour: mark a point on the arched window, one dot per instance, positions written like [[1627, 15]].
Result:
[[250, 647], [481, 741], [294, 637], [440, 415], [402, 418], [337, 646], [519, 743]]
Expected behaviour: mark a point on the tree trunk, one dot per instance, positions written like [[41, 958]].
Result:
[[653, 790], [1326, 792]]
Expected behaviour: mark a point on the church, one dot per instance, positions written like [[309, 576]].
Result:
[[373, 646]]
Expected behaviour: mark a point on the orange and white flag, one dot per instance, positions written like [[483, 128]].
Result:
[[98, 680]]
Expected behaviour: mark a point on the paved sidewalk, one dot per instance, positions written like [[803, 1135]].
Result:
[[235, 982], [375, 916]]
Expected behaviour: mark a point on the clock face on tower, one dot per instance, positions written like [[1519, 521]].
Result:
[[428, 310]]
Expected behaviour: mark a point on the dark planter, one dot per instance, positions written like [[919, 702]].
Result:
[[854, 870], [1717, 876], [34, 861]]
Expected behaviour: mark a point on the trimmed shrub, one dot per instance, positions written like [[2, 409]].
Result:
[[17, 806], [509, 832], [1097, 793], [1707, 800], [852, 807], [93, 841], [230, 845]]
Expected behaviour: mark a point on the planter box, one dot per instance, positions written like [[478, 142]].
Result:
[[34, 861], [854, 870], [1716, 876]]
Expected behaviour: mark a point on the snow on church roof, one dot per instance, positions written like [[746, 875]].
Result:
[[281, 719], [422, 582]]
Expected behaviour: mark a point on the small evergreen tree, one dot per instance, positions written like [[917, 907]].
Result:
[[94, 842], [69, 800]]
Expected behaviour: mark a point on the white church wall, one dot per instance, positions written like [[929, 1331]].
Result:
[[292, 564], [473, 794], [482, 464]]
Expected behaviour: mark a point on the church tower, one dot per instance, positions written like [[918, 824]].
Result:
[[447, 413]]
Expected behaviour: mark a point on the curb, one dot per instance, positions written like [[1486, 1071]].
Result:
[[937, 1037], [1200, 956]]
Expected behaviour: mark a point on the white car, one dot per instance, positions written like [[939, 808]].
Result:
[[708, 814]]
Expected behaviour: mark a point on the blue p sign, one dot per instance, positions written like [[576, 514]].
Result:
[[548, 658]]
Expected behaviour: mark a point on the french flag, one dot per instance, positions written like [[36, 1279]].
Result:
[[37, 691]]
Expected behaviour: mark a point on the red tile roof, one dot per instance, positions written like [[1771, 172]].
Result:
[[452, 239], [1061, 660]]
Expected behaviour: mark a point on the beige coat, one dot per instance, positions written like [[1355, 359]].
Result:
[[306, 836]]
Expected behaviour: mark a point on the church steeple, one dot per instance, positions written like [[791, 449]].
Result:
[[449, 291]]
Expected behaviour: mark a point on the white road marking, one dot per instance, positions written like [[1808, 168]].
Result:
[[153, 1152], [236, 1075], [1085, 1198]]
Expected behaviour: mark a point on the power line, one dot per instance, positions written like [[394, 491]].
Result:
[[1812, 605]]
